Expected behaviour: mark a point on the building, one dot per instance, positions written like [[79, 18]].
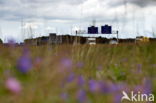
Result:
[[92, 30], [31, 41], [91, 41], [54, 39], [142, 39], [106, 29]]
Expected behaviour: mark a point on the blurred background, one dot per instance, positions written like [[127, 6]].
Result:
[[21, 19]]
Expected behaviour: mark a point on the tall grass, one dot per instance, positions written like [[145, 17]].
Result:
[[54, 77]]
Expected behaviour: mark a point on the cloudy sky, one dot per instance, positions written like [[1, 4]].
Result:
[[20, 19]]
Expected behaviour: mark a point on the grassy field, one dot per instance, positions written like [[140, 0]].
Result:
[[76, 74]]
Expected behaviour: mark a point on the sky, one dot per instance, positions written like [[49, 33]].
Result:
[[21, 19]]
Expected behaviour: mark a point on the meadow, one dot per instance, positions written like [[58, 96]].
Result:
[[76, 74]]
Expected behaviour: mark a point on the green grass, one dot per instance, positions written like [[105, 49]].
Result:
[[119, 64]]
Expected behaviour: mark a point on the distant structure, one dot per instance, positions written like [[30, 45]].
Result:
[[92, 30], [91, 41], [54, 39], [106, 29], [142, 39]]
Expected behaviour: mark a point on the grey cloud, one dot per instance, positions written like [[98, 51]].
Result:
[[75, 2], [17, 9], [29, 8], [140, 3]]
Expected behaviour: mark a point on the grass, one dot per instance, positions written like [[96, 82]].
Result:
[[128, 64]]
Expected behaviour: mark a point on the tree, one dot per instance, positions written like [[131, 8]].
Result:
[[1, 42]]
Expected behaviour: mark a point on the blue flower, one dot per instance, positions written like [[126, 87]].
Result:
[[94, 86], [66, 62], [81, 95], [71, 77], [24, 63], [147, 86], [81, 81]]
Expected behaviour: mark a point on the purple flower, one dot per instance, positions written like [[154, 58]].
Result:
[[66, 62], [71, 77], [147, 87], [104, 87], [81, 81], [24, 63], [94, 86], [117, 98], [115, 88], [112, 88], [138, 88], [13, 85], [101, 87], [121, 87], [81, 95]]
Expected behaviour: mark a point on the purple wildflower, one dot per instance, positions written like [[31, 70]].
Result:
[[24, 63], [104, 87], [115, 87], [81, 95], [94, 86], [147, 86], [13, 85], [138, 88], [101, 87], [122, 86], [81, 81], [66, 62], [117, 98], [71, 77]]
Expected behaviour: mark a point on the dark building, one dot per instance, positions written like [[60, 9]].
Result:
[[42, 40], [101, 40], [106, 29], [152, 39], [92, 30], [54, 39]]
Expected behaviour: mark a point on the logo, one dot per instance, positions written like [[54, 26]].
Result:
[[137, 97]]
